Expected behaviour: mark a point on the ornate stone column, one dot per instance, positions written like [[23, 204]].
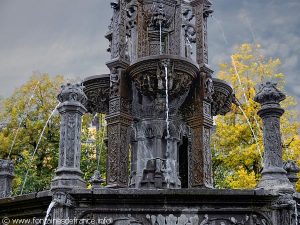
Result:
[[198, 113], [273, 175], [6, 177], [68, 174], [201, 10], [119, 122], [200, 118], [119, 118]]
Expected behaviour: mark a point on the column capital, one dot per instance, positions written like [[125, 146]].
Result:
[[72, 93], [268, 95]]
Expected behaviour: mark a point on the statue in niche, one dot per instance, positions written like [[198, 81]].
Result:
[[209, 89], [114, 81]]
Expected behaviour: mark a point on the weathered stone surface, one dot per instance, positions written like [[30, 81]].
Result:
[[292, 170], [273, 175], [68, 174], [166, 207], [96, 180], [222, 97], [97, 90]]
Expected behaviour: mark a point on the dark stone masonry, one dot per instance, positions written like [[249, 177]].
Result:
[[159, 100]]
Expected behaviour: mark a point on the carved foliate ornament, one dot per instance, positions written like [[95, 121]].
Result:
[[131, 16], [97, 89], [269, 94], [222, 97], [149, 76], [188, 26], [72, 93], [159, 18], [63, 199]]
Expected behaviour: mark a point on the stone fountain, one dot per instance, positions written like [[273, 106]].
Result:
[[159, 100]]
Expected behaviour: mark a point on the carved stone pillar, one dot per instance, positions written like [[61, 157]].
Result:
[[119, 122], [273, 175], [201, 124], [6, 177], [68, 174], [119, 116], [201, 11]]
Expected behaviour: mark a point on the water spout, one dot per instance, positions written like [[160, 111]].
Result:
[[243, 89], [50, 207], [239, 79], [253, 133], [22, 119], [220, 28], [168, 169], [160, 38], [167, 101], [36, 148]]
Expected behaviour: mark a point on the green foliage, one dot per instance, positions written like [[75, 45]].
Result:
[[238, 150], [93, 146], [26, 113]]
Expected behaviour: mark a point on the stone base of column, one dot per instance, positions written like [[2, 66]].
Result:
[[67, 180], [275, 179]]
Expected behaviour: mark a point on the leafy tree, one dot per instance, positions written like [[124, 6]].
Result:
[[26, 113], [238, 144]]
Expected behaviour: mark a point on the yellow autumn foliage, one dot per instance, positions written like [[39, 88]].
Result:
[[237, 144]]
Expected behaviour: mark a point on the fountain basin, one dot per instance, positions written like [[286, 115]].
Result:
[[97, 89], [149, 75], [223, 97]]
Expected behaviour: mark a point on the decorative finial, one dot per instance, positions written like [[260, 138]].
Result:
[[96, 179], [292, 170], [269, 94], [72, 93]]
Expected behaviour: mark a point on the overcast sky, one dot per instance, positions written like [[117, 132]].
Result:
[[67, 36]]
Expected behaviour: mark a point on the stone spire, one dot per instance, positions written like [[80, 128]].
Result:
[[273, 175], [68, 174]]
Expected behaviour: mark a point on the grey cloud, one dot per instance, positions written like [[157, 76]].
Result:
[[67, 37]]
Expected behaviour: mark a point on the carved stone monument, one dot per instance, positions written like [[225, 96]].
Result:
[[161, 97], [159, 100]]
